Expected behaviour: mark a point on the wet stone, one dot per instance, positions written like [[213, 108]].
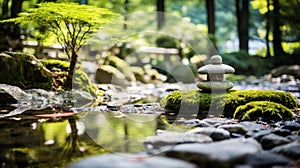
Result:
[[282, 132], [252, 126], [217, 134], [291, 150], [196, 123], [261, 134], [292, 126], [266, 159], [168, 138], [235, 128], [217, 154], [127, 160], [271, 140]]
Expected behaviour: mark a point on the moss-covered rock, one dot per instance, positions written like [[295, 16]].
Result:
[[201, 103], [122, 66], [263, 110], [107, 74], [24, 71]]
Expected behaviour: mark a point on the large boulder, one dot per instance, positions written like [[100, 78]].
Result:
[[24, 70]]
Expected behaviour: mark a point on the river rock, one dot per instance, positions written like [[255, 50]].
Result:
[[293, 70], [292, 126], [271, 140], [217, 154], [235, 128], [291, 150], [172, 138], [107, 74], [266, 159], [252, 126], [216, 121], [196, 123], [128, 161], [217, 134], [282, 132]]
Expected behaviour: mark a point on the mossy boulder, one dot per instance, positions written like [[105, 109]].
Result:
[[122, 66], [24, 71], [138, 73], [225, 104], [263, 110], [81, 80], [107, 74]]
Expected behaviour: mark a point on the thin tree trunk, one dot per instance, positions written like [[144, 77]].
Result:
[[71, 71], [5, 8], [126, 12], [268, 29], [210, 10], [278, 50], [160, 6], [242, 13]]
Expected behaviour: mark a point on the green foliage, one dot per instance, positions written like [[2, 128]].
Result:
[[226, 102], [166, 42], [71, 23], [263, 110]]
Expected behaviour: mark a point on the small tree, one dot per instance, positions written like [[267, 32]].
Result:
[[71, 23]]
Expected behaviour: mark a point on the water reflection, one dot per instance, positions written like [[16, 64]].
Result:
[[30, 141]]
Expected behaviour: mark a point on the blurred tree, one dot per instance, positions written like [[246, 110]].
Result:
[[10, 33], [210, 11], [71, 27], [160, 8], [242, 13], [277, 33]]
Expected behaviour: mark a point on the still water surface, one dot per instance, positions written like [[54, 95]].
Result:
[[31, 141]]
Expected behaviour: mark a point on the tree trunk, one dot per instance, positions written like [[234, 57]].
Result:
[[210, 10], [160, 7], [5, 9], [268, 29], [69, 82], [10, 34], [126, 12], [242, 13], [278, 50]]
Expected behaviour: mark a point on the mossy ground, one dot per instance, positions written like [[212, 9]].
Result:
[[226, 103], [263, 110]]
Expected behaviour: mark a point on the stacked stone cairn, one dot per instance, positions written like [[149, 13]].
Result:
[[215, 72]]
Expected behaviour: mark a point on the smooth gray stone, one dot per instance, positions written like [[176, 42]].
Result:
[[291, 150], [216, 134], [217, 154], [271, 140], [172, 138], [267, 159], [235, 128], [127, 161]]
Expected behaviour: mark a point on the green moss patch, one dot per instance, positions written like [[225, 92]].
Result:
[[195, 100], [263, 110]]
